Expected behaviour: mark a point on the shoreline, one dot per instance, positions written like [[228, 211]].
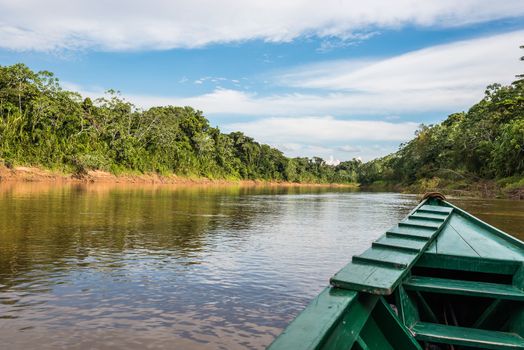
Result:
[[488, 189], [37, 174], [32, 174]]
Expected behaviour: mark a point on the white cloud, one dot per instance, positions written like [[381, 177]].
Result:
[[463, 66], [164, 24], [443, 78], [330, 44], [229, 102], [326, 151], [349, 149], [323, 129], [332, 161]]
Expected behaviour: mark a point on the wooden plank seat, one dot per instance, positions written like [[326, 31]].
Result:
[[435, 209], [400, 243], [428, 217], [410, 232], [461, 336], [457, 287], [419, 223]]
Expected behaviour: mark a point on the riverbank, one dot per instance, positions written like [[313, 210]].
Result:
[[36, 174], [510, 188]]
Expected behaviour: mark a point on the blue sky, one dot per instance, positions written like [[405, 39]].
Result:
[[313, 78]]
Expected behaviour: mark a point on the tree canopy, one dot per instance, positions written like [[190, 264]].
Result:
[[45, 125], [486, 142]]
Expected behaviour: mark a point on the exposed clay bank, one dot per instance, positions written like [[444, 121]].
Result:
[[35, 174]]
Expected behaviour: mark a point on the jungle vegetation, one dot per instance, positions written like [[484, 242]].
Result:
[[44, 125], [484, 143]]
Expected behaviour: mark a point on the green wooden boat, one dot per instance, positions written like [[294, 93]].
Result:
[[440, 279]]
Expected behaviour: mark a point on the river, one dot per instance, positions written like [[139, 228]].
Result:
[[157, 267]]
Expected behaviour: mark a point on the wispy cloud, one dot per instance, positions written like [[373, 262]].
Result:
[[163, 24], [463, 65], [321, 129], [442, 78], [330, 44], [349, 149]]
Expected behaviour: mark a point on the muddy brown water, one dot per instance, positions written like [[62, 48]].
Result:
[[159, 267]]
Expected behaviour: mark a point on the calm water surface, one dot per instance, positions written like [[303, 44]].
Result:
[[114, 267]]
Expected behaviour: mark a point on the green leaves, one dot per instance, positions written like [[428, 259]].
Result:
[[484, 143], [42, 124]]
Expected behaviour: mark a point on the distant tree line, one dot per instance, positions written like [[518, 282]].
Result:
[[42, 124], [486, 142]]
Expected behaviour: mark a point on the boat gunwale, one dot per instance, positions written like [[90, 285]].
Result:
[[511, 266]]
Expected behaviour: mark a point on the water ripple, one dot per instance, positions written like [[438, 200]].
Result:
[[164, 268]]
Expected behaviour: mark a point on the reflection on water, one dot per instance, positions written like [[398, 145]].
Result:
[[145, 267]]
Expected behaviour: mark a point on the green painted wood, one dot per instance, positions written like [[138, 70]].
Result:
[[359, 259], [360, 344], [374, 337], [512, 241], [436, 208], [407, 309], [518, 277], [400, 242], [451, 242], [497, 314], [351, 324], [437, 235], [367, 278], [515, 323], [430, 215], [459, 242], [427, 217], [471, 288], [387, 256], [320, 318], [419, 223], [392, 328], [410, 233], [466, 263], [477, 338], [465, 235], [374, 270], [482, 241], [386, 245]]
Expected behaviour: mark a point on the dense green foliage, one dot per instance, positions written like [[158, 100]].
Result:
[[486, 142], [42, 124]]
